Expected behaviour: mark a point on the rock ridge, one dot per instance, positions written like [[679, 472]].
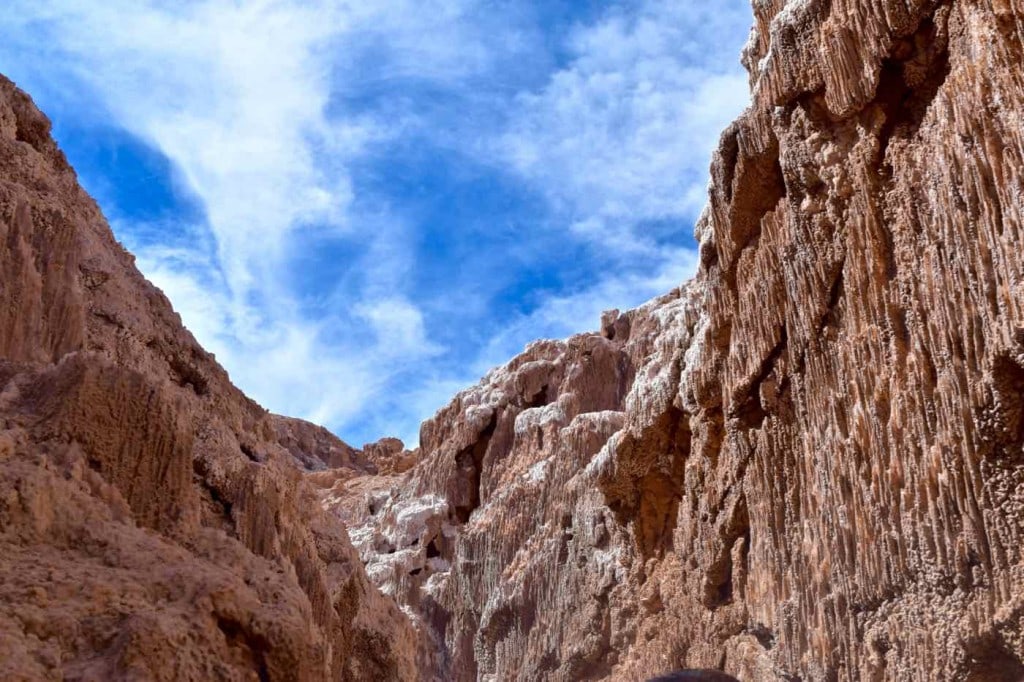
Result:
[[154, 522]]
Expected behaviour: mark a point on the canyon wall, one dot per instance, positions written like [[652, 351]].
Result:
[[807, 463], [155, 524]]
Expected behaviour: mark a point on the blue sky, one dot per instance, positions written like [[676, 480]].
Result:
[[361, 207]]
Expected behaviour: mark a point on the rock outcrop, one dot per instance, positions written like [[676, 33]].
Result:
[[807, 463], [154, 522]]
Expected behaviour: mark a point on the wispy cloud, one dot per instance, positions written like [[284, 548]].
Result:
[[331, 280], [236, 95], [623, 134]]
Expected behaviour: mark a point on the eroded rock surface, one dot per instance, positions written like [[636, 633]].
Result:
[[807, 463], [154, 523]]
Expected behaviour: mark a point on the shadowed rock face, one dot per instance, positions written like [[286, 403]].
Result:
[[807, 463]]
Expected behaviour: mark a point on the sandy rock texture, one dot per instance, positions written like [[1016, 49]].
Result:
[[805, 464], [154, 523]]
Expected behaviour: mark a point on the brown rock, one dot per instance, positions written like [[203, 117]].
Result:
[[389, 456], [153, 524], [314, 448], [500, 539]]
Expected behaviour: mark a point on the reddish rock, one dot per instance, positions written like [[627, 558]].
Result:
[[153, 523], [314, 448], [389, 456]]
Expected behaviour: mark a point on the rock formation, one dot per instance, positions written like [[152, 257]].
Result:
[[154, 523], [807, 463]]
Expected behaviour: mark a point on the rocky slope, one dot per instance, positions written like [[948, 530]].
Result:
[[154, 522], [807, 463]]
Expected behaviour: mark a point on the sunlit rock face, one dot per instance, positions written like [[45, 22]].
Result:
[[805, 464], [511, 541], [154, 522]]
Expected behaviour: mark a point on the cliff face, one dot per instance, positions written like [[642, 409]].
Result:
[[154, 523], [807, 463]]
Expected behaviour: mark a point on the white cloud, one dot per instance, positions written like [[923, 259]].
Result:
[[236, 96], [398, 325], [619, 137], [624, 133]]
